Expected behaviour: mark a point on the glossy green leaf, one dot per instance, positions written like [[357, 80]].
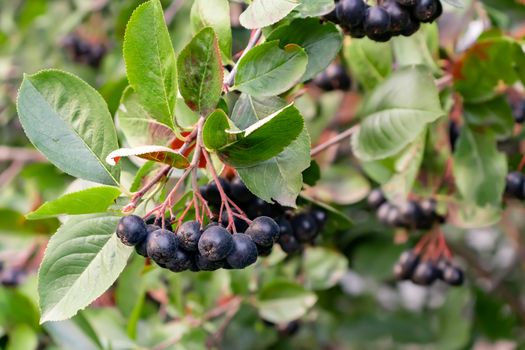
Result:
[[369, 61], [321, 41], [264, 139], [479, 168], [69, 122], [315, 8], [201, 73], [495, 114], [214, 133], [22, 337], [323, 268], [420, 48], [91, 200], [262, 13], [215, 14], [267, 70], [284, 301], [138, 125], [159, 154], [82, 260], [396, 113], [150, 61]]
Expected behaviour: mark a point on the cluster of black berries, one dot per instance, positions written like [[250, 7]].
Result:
[[412, 215], [410, 266], [333, 78], [296, 228], [515, 185], [388, 18], [83, 51], [195, 249]]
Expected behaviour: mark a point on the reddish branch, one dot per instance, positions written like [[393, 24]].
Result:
[[255, 37], [334, 141]]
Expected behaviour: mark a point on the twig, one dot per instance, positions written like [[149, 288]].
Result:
[[21, 154], [255, 37], [333, 141], [444, 81]]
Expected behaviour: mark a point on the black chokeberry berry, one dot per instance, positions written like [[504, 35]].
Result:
[[131, 230], [215, 243], [383, 212], [240, 192], [205, 264], [405, 266], [376, 198], [514, 184], [425, 274], [162, 246], [518, 111], [399, 16], [211, 192], [411, 214], [377, 23], [350, 12], [244, 252], [240, 224], [411, 27], [264, 251], [426, 10], [320, 216], [180, 261], [189, 234], [141, 248], [453, 275], [264, 231], [304, 227], [289, 244]]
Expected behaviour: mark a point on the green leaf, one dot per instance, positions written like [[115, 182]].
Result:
[[454, 320], [315, 8], [91, 200], [138, 125], [397, 112], [323, 268], [267, 70], [342, 184], [264, 139], [158, 154], [215, 14], [201, 73], [214, 133], [420, 48], [17, 308], [69, 122], [81, 262], [22, 337], [495, 114], [263, 13], [284, 301], [369, 61], [479, 168], [285, 169], [150, 61], [321, 41]]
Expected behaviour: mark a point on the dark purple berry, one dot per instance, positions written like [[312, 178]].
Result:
[[240, 192], [425, 274], [514, 184], [215, 243], [376, 198], [406, 265], [377, 22], [350, 12], [161, 246], [304, 227], [189, 234], [264, 231], [399, 16], [180, 261], [205, 264], [264, 251], [244, 252], [426, 10], [453, 276], [131, 230], [141, 248]]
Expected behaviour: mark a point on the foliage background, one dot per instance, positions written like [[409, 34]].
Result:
[[358, 305]]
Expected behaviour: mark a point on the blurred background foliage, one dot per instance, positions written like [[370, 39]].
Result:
[[348, 276]]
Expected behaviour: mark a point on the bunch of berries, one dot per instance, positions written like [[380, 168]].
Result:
[[387, 19], [84, 51], [411, 214], [424, 272], [333, 78]]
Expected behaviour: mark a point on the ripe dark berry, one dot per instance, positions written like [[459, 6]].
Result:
[[264, 231], [289, 244], [261, 208], [350, 12], [411, 213], [141, 248], [411, 27], [240, 224], [406, 3], [211, 191], [453, 134], [399, 16], [514, 184], [441, 266], [162, 246], [189, 234], [393, 217], [131, 230], [406, 265], [425, 274], [377, 23], [264, 251], [426, 10], [320, 217], [244, 252], [304, 227], [518, 111], [205, 264], [453, 276], [376, 198], [240, 192], [180, 261], [382, 212], [215, 243]]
